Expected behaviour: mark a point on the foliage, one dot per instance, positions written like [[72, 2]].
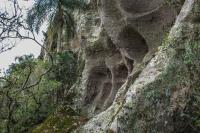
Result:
[[65, 60], [24, 100], [10, 23], [58, 13], [22, 108], [192, 52], [192, 60], [64, 71]]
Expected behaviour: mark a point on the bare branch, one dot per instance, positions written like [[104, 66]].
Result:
[[9, 23]]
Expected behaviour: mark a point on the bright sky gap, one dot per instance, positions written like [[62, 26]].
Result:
[[24, 47]]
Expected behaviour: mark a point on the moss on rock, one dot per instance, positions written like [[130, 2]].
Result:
[[64, 120]]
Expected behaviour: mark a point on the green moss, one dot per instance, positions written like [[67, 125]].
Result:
[[110, 131], [62, 121]]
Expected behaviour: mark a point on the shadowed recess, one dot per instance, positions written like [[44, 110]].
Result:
[[140, 6]]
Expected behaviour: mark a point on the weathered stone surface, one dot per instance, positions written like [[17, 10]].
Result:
[[133, 34], [103, 75], [157, 95], [141, 66], [137, 27]]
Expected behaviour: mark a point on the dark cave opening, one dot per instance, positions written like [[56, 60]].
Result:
[[132, 44]]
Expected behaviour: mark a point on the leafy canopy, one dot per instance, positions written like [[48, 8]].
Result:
[[56, 12]]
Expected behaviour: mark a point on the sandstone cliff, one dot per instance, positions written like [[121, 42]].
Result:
[[141, 66]]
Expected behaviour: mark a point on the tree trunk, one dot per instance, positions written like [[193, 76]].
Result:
[[59, 40]]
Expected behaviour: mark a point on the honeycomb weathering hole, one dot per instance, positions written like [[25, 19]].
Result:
[[140, 6], [132, 44], [129, 38], [106, 90], [101, 91], [98, 76], [120, 73]]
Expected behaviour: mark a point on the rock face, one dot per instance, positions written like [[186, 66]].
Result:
[[129, 31], [141, 67], [132, 83], [137, 27]]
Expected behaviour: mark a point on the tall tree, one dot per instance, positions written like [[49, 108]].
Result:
[[58, 14]]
